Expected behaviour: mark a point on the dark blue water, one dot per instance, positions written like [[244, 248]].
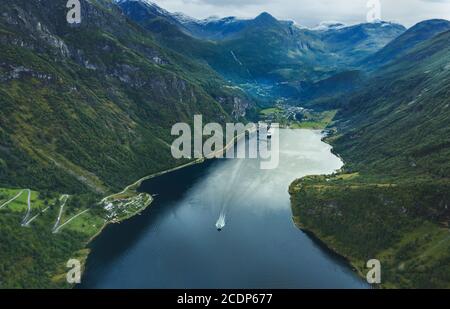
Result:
[[175, 244]]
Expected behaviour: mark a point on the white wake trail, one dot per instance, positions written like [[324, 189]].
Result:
[[226, 198], [220, 224]]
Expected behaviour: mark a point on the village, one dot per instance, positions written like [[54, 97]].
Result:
[[125, 206], [296, 117]]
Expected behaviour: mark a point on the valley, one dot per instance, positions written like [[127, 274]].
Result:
[[175, 243], [298, 117], [87, 109]]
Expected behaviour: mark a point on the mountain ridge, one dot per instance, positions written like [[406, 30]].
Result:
[[415, 35], [265, 50], [390, 201]]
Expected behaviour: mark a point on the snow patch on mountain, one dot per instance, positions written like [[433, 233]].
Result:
[[329, 25], [156, 7]]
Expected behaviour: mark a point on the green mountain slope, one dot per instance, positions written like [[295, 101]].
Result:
[[256, 52], [327, 93], [85, 110], [91, 106], [391, 201], [354, 43], [400, 117], [406, 42]]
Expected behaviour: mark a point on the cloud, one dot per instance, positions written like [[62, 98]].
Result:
[[312, 12]]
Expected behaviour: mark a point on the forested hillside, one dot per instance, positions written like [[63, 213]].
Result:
[[90, 107], [85, 110], [391, 201]]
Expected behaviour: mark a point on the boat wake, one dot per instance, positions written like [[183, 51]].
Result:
[[220, 224], [228, 195]]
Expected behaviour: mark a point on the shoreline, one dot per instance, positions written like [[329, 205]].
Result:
[[137, 184], [317, 238], [322, 243], [310, 233], [193, 162]]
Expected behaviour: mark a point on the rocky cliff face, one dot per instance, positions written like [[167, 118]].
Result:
[[94, 101]]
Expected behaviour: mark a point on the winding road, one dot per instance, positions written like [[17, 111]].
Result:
[[12, 200], [62, 199], [25, 219], [68, 221]]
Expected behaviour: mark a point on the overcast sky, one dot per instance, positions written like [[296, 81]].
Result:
[[312, 12]]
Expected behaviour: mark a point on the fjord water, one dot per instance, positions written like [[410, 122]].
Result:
[[175, 242]]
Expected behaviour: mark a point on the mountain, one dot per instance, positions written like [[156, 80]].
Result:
[[391, 200], [211, 28], [325, 93], [356, 42], [144, 11], [258, 52], [405, 98], [85, 110], [279, 55], [90, 107], [407, 41]]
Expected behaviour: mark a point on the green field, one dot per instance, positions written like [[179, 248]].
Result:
[[86, 223], [20, 204], [270, 111], [315, 120]]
